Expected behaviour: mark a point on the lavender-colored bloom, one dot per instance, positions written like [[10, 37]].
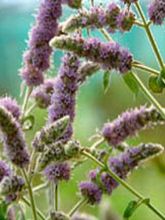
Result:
[[50, 133], [112, 18], [11, 197], [4, 170], [11, 105], [11, 184], [42, 94], [91, 192], [37, 58], [109, 55], [129, 123], [63, 98], [156, 11], [13, 139], [57, 172], [123, 164]]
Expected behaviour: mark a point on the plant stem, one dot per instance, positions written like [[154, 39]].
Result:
[[145, 68], [39, 213], [97, 143], [40, 187], [26, 99], [125, 184], [79, 204], [150, 35], [31, 108], [30, 195], [106, 34], [56, 197], [149, 96]]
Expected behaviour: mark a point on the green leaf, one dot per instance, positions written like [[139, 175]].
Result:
[[154, 84], [131, 83], [132, 206], [106, 81], [3, 210]]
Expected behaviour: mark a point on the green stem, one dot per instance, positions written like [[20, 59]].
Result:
[[149, 96], [39, 213], [97, 143], [56, 197], [79, 204], [150, 36], [31, 108], [30, 195], [125, 184], [145, 68], [26, 99], [40, 187], [106, 34]]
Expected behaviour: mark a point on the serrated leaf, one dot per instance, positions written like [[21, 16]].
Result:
[[130, 209], [106, 81], [131, 83], [154, 84]]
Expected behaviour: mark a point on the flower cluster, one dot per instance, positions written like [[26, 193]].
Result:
[[156, 11], [129, 123], [101, 182], [37, 58], [4, 170], [50, 133], [13, 139], [11, 105], [112, 18], [109, 55], [65, 87]]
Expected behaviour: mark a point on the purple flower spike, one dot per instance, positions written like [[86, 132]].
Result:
[[109, 55], [11, 105], [65, 87], [37, 58], [129, 123], [13, 139], [91, 192], [4, 170], [156, 11], [57, 172]]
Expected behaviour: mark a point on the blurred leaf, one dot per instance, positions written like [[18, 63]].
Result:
[[131, 83], [106, 81], [132, 206], [3, 210], [154, 84]]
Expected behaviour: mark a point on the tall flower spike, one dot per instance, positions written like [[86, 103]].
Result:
[[123, 164], [98, 17], [130, 123], [156, 11], [37, 58], [50, 133], [109, 55], [57, 172], [11, 105], [65, 87], [13, 139], [4, 170]]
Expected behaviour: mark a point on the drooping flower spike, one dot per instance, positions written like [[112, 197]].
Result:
[[130, 123], [122, 164], [109, 55], [13, 138], [112, 18]]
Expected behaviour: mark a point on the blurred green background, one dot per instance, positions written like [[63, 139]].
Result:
[[93, 106]]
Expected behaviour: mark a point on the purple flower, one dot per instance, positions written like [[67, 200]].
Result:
[[4, 170], [129, 123], [37, 58], [125, 20], [13, 139], [57, 172], [11, 184], [109, 55], [91, 192], [11, 105], [42, 94], [156, 11], [65, 87]]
